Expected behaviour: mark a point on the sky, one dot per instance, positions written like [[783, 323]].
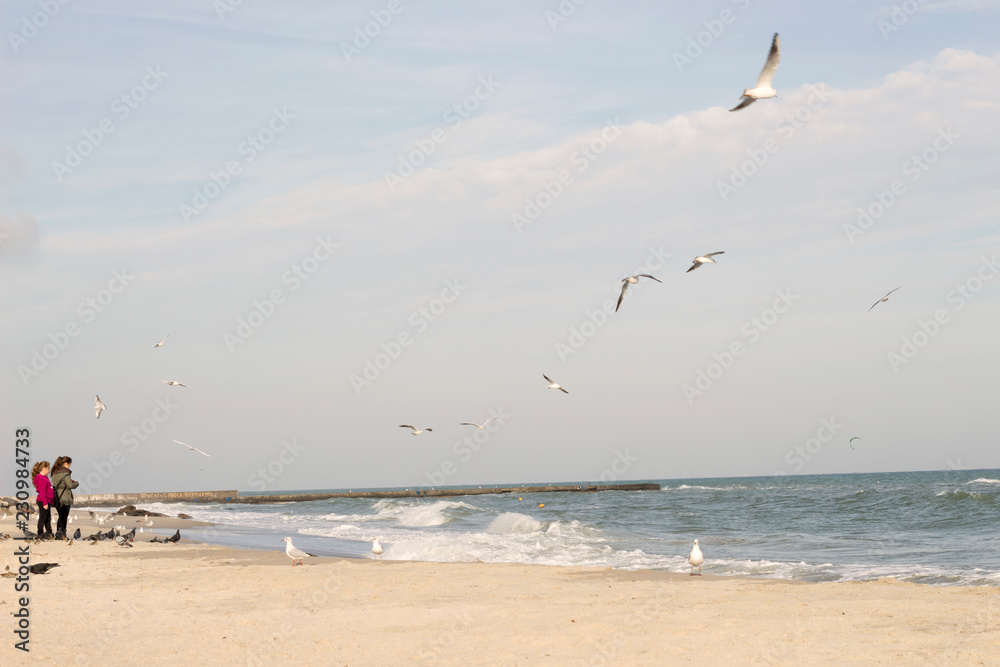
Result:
[[345, 217]]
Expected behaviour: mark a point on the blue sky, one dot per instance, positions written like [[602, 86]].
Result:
[[228, 155]]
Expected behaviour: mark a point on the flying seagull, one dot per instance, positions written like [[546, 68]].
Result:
[[193, 449], [477, 425], [763, 89], [554, 385], [376, 548], [883, 299], [416, 431], [704, 259], [161, 341], [294, 552], [98, 406], [100, 519], [631, 280], [172, 383], [696, 558]]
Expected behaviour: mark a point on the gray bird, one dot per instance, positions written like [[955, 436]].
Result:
[[42, 568], [77, 534], [176, 537]]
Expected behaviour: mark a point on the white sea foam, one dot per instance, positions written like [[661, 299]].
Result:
[[984, 480]]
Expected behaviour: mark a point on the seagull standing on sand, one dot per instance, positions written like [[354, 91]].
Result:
[[704, 259], [377, 548], [161, 341], [631, 280], [763, 89], [416, 431], [554, 385], [696, 558], [193, 449], [98, 406], [477, 425], [294, 552], [884, 299], [172, 383]]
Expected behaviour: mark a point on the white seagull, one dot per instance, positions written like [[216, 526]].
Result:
[[294, 552], [98, 406], [631, 280], [173, 383], [763, 89], [554, 385], [193, 449], [704, 259], [377, 548], [477, 425], [161, 341], [100, 519], [416, 431], [696, 559], [883, 299]]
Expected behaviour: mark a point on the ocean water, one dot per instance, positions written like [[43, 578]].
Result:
[[926, 527]]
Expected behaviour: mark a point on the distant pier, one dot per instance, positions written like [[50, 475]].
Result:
[[117, 499]]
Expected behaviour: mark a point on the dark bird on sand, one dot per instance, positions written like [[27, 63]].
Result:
[[176, 537], [42, 568], [77, 534]]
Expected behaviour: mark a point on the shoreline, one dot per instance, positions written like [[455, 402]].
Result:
[[244, 606]]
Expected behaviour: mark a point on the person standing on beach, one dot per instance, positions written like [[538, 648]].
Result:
[[40, 476], [64, 485]]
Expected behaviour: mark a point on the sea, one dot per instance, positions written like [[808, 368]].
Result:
[[939, 528]]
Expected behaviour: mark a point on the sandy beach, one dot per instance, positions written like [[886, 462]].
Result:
[[203, 604]]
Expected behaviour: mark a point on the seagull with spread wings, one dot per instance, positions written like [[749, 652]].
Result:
[[883, 299], [763, 90], [416, 431], [553, 384], [193, 449], [704, 259], [631, 280]]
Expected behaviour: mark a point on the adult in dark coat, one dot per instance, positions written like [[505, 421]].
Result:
[[63, 484]]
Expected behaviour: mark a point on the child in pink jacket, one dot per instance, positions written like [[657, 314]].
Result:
[[46, 495]]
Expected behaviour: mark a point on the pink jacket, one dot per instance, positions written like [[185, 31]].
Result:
[[46, 494]]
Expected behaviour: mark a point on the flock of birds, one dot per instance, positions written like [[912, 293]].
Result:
[[763, 89], [100, 407]]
